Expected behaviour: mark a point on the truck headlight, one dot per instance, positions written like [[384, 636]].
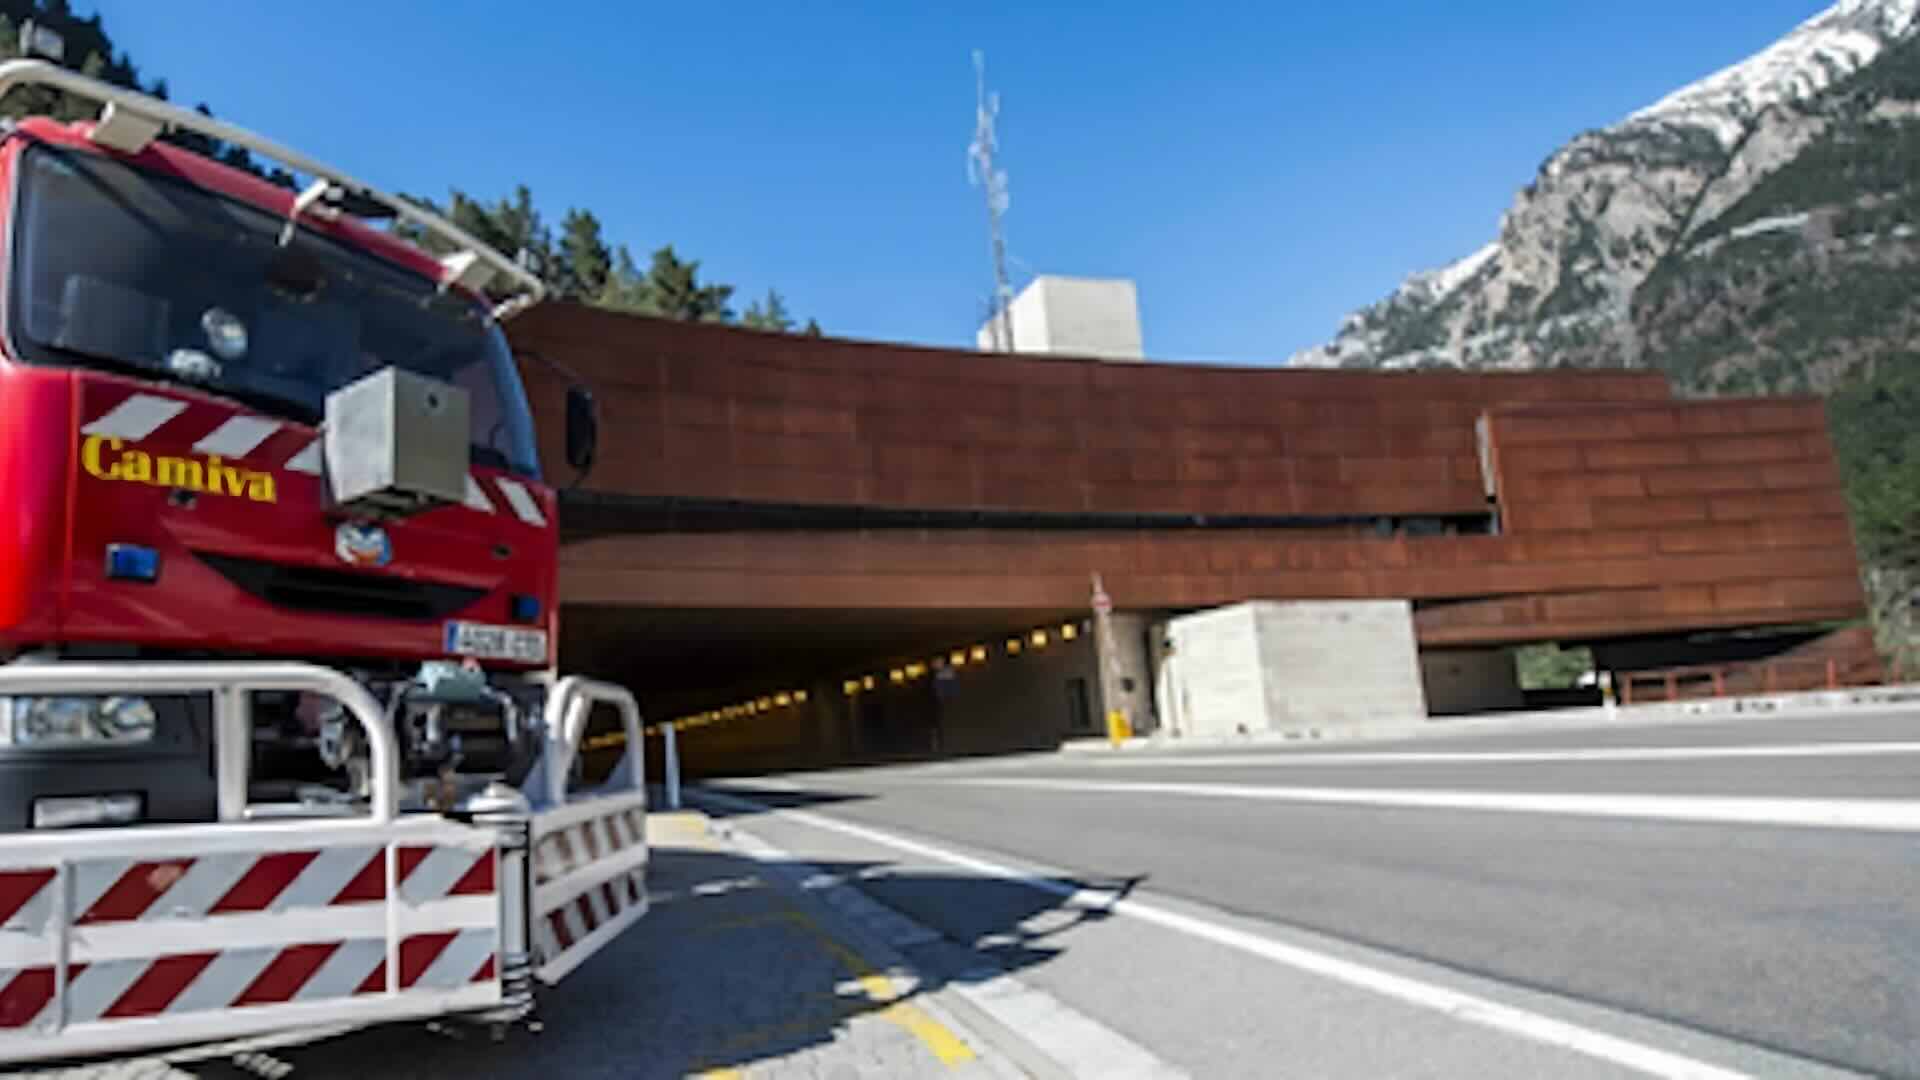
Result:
[[75, 721], [73, 811]]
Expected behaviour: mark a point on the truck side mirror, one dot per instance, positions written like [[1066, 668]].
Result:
[[583, 429]]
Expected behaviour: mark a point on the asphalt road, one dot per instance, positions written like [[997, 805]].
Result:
[[1777, 945]]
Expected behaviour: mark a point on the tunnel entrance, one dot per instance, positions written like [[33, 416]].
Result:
[[778, 689]]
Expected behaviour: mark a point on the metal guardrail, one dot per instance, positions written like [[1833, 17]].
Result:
[[229, 683], [568, 707], [670, 754], [92, 979], [1699, 681]]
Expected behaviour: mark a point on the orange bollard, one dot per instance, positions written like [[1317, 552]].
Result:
[[1719, 682], [1833, 674], [1673, 686]]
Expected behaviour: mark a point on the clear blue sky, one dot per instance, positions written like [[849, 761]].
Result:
[[1259, 169]]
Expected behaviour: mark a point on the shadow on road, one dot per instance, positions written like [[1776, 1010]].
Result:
[[741, 963]]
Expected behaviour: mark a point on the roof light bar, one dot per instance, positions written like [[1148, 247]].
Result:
[[129, 121]]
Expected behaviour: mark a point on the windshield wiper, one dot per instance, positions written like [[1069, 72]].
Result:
[[108, 361]]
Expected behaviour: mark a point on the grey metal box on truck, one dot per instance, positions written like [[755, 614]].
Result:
[[397, 443]]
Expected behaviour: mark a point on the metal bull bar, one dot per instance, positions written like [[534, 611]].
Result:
[[120, 939], [589, 847]]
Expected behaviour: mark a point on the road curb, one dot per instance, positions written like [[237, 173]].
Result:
[[987, 1000]]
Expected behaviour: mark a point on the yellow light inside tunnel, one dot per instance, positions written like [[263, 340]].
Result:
[[978, 654], [851, 686], [1013, 646], [914, 671], [866, 683], [800, 696], [1039, 639], [896, 675], [958, 657], [783, 699], [1068, 632], [764, 703]]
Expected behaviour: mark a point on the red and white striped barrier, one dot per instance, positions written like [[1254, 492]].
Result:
[[589, 879], [589, 849], [131, 938], [115, 940]]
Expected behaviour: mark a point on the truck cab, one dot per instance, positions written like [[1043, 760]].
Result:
[[178, 341]]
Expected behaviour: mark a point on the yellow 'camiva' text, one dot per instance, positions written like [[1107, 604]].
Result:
[[106, 459]]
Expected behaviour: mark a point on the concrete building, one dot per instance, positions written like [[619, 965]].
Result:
[[778, 515], [1070, 316], [1293, 668]]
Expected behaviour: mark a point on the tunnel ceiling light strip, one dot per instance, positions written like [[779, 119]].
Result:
[[974, 655]]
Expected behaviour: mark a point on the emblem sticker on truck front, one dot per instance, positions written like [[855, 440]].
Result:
[[362, 545], [485, 642]]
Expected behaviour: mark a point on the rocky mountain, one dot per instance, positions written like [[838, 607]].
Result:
[[1753, 231]]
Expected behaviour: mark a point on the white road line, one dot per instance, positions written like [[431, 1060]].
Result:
[[1076, 1043], [1469, 1008], [1885, 815], [1503, 757]]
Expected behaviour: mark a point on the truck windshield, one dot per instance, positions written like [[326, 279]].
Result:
[[119, 268]]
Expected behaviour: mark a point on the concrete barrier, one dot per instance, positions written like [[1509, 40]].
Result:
[[1866, 698]]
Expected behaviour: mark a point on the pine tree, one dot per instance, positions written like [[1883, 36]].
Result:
[[674, 291], [770, 314], [626, 287], [583, 265], [583, 262]]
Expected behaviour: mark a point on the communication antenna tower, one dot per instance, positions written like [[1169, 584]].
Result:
[[982, 173]]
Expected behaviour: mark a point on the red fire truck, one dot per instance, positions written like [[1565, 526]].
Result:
[[237, 421], [281, 739]]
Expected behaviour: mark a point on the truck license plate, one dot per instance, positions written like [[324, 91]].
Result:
[[497, 642]]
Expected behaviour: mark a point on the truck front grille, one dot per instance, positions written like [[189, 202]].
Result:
[[341, 592]]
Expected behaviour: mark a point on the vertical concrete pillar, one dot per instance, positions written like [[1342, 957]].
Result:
[[1128, 687]]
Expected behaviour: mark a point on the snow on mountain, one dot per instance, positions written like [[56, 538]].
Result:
[[1612, 204], [1813, 56], [1438, 283]]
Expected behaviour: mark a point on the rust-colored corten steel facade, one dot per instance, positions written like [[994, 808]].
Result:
[[848, 476]]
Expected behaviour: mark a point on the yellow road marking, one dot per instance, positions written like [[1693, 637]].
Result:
[[939, 1040]]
